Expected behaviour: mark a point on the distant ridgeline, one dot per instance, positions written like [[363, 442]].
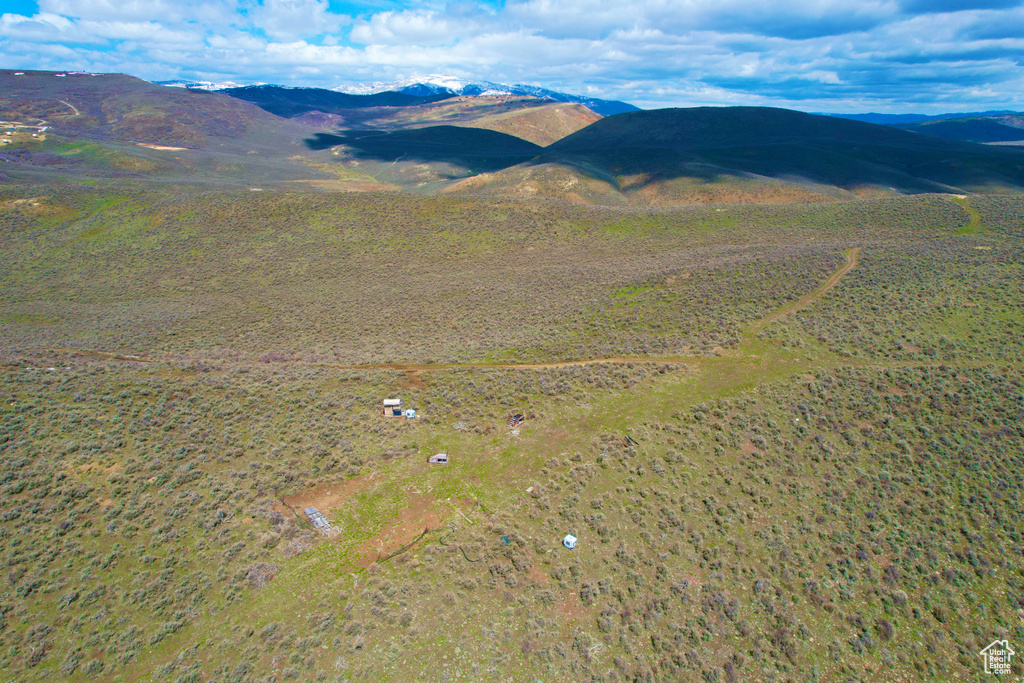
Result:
[[291, 102], [983, 127]]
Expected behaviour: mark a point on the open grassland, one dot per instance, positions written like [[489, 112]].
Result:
[[821, 481], [378, 277]]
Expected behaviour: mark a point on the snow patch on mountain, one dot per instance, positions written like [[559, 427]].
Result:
[[436, 84], [204, 85]]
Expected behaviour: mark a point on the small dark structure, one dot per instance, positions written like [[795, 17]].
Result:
[[320, 522], [439, 459], [515, 420]]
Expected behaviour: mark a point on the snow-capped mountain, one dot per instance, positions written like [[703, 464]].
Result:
[[439, 84], [203, 85], [434, 85], [428, 85]]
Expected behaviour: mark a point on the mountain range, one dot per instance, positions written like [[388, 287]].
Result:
[[438, 85], [428, 88], [433, 140]]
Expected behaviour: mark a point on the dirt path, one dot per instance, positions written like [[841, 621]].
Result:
[[421, 367], [852, 259], [974, 225], [411, 369], [73, 108]]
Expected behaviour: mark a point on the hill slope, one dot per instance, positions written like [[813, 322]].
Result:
[[120, 107], [537, 121], [668, 155], [115, 126]]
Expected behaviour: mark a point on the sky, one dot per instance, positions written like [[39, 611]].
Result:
[[846, 56]]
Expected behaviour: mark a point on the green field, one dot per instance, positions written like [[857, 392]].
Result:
[[788, 437]]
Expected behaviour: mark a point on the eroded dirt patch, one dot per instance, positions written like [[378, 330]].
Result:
[[535, 573], [324, 497], [419, 515]]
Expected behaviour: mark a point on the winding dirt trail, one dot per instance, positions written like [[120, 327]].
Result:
[[73, 107], [852, 259]]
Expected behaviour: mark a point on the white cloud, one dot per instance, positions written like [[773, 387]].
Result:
[[171, 11], [42, 27], [420, 27], [291, 19], [648, 51]]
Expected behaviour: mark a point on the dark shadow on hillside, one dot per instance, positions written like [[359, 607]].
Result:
[[712, 144], [475, 149], [291, 102]]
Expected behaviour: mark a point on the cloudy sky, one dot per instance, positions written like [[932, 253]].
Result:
[[925, 56]]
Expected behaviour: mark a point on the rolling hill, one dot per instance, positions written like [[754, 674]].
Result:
[[116, 107], [541, 121], [536, 121], [764, 154], [117, 126]]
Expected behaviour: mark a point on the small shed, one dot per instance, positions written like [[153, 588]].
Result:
[[439, 459], [515, 420], [393, 407], [569, 541]]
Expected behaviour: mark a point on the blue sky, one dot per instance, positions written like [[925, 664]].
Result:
[[925, 56]]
